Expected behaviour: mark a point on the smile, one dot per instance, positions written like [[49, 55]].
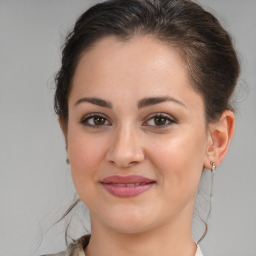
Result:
[[127, 186]]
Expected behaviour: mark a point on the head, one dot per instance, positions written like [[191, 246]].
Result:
[[144, 89]]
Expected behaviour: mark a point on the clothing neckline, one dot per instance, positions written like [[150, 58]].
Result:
[[77, 249]]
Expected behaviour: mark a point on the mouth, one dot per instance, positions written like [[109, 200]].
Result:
[[127, 186]]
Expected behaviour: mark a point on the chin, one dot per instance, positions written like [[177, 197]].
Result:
[[130, 221], [129, 226]]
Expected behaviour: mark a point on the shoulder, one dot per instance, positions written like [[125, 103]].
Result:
[[58, 254], [74, 249]]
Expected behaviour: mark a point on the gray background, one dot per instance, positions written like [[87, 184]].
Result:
[[35, 183]]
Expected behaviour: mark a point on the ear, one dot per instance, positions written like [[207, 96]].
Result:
[[220, 135], [63, 127]]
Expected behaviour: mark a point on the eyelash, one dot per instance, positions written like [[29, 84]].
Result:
[[161, 115], [168, 119], [85, 120]]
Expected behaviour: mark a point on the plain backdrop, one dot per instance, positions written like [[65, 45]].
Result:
[[35, 183]]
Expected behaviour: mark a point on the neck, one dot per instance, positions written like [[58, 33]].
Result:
[[170, 239]]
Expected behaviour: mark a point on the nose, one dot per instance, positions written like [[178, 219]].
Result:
[[126, 148]]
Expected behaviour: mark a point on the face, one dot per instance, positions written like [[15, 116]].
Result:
[[136, 135]]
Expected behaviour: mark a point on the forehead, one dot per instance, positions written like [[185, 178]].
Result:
[[138, 56], [142, 66]]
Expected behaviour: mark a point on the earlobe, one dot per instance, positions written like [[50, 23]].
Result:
[[220, 135]]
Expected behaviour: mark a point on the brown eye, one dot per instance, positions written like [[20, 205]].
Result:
[[95, 121], [160, 120], [99, 120]]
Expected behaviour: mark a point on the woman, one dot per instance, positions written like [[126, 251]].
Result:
[[143, 102]]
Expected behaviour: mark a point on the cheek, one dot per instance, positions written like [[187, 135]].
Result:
[[179, 160], [85, 154]]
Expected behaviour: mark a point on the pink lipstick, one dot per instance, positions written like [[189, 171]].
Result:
[[127, 186]]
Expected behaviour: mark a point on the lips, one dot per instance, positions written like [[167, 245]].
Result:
[[131, 179], [127, 186]]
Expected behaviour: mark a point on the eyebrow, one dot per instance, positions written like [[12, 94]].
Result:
[[95, 101], [156, 100], [141, 103]]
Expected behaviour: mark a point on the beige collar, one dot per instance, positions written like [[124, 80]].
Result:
[[77, 249]]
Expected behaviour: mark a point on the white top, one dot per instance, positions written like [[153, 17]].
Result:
[[77, 249], [81, 253]]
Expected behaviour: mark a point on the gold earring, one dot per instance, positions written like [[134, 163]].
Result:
[[67, 161], [213, 166]]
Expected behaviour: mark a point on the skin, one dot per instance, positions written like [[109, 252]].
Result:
[[130, 141]]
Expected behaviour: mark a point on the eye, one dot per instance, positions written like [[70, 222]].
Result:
[[95, 120], [159, 121]]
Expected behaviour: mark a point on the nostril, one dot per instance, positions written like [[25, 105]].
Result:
[[123, 164], [123, 154]]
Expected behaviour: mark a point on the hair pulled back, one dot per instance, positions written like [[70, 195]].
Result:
[[205, 46]]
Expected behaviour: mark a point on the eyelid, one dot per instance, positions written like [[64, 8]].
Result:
[[169, 118], [92, 115]]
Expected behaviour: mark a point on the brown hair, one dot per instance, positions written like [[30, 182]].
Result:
[[204, 44], [206, 47]]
